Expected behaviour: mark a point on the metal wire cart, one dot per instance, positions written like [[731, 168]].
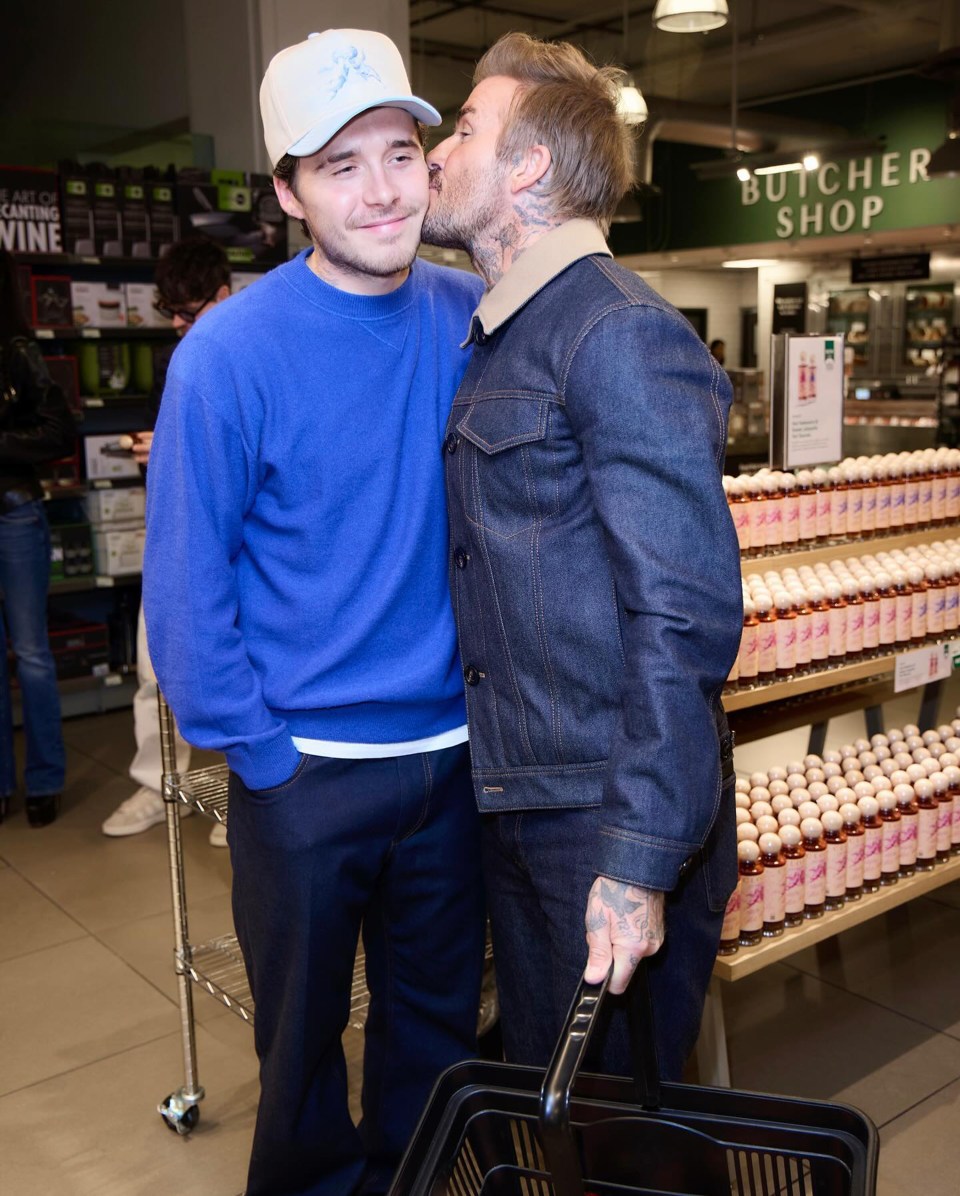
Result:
[[217, 966]]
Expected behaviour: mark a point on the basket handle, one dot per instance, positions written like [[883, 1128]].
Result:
[[559, 1146]]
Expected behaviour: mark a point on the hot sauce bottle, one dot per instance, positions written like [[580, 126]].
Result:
[[873, 847], [871, 617], [751, 893], [791, 840], [918, 621], [815, 879]]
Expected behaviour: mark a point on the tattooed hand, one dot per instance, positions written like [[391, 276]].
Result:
[[624, 922]]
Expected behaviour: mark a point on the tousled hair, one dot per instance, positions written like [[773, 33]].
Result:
[[191, 270], [569, 105]]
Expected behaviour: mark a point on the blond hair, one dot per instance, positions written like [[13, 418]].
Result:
[[569, 105]]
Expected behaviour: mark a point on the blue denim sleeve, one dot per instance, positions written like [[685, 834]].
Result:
[[649, 406]]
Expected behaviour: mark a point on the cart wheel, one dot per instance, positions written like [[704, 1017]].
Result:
[[178, 1117]]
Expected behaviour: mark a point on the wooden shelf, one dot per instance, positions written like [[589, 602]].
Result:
[[795, 557], [751, 959], [805, 683]]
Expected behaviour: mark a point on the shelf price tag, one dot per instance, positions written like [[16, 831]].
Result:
[[924, 665], [90, 334]]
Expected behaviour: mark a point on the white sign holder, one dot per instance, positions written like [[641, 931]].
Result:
[[806, 400]]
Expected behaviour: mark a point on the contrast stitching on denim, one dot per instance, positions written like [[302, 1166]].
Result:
[[539, 770], [304, 761], [427, 793], [584, 332], [714, 380], [539, 623], [616, 613], [517, 392], [602, 265], [616, 832]]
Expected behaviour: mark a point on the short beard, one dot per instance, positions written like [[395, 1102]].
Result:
[[343, 260], [465, 220]]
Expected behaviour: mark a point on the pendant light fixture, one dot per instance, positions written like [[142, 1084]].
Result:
[[690, 16], [630, 102]]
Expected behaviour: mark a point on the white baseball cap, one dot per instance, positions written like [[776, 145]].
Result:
[[311, 90]]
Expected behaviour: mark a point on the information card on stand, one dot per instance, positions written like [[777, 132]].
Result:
[[924, 665], [814, 400]]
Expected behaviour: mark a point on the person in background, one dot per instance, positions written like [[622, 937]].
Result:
[[35, 426], [719, 350], [596, 572], [191, 279], [298, 608]]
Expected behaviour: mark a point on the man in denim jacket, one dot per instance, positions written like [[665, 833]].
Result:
[[594, 565]]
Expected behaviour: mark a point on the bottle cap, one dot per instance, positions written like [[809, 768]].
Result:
[[759, 793], [746, 830], [910, 729], [869, 807], [832, 757], [913, 742], [889, 766], [853, 776], [796, 780], [903, 794], [766, 823], [879, 740], [915, 575], [815, 774], [742, 801], [832, 770], [932, 572], [836, 783], [797, 797], [850, 588], [812, 761], [863, 789], [817, 789], [920, 754], [784, 801], [827, 802], [949, 759], [882, 753], [887, 800], [924, 789], [850, 813], [747, 852], [871, 772], [777, 773], [790, 836], [783, 601], [915, 773], [866, 759], [940, 783], [833, 591], [832, 822], [749, 608], [795, 766], [931, 767], [811, 828], [759, 808], [742, 815], [809, 809], [789, 817], [742, 785], [770, 844], [847, 796], [937, 750], [899, 777], [883, 580]]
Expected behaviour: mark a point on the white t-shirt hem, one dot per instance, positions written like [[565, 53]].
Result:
[[380, 751]]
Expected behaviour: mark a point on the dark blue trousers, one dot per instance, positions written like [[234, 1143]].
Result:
[[391, 846], [538, 869]]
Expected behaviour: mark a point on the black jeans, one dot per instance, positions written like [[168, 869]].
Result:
[[392, 845]]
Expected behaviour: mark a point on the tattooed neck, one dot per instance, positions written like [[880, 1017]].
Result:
[[528, 220]]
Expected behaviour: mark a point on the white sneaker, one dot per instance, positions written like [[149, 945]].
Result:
[[138, 813], [218, 835]]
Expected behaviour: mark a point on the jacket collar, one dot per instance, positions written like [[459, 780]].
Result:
[[537, 266]]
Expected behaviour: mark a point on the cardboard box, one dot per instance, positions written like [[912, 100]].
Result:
[[102, 463], [116, 506], [134, 217], [98, 305], [118, 549], [76, 210], [240, 211], [51, 301], [140, 310]]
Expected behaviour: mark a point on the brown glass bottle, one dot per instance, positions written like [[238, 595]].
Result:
[[774, 885], [815, 877], [730, 931], [928, 813], [791, 840], [751, 893], [909, 817], [873, 847], [890, 842], [941, 790], [838, 623], [767, 639], [856, 849], [836, 859]]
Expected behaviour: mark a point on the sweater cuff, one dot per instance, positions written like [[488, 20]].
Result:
[[264, 765], [641, 860]]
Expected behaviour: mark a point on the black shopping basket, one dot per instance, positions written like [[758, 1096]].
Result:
[[493, 1129]]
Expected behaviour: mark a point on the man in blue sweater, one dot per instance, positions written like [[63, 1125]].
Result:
[[298, 608]]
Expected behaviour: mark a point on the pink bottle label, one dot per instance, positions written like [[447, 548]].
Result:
[[821, 634], [796, 884], [731, 917], [748, 651], [897, 498], [953, 497], [919, 619], [888, 620], [908, 839], [767, 652], [855, 628], [751, 902], [758, 523], [936, 610], [873, 853], [791, 519], [774, 893], [870, 509], [816, 878], [786, 644], [741, 521], [836, 869], [838, 513], [955, 829], [838, 631], [808, 516], [951, 613], [927, 834], [856, 857], [944, 826], [925, 501], [939, 500], [883, 508], [890, 848], [855, 512], [904, 617], [871, 624], [774, 522], [804, 638], [824, 509], [911, 499]]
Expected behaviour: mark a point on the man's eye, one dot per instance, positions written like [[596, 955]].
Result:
[[343, 170]]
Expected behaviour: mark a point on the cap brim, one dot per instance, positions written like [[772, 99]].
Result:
[[318, 137]]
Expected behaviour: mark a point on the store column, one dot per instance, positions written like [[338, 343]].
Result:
[[230, 42]]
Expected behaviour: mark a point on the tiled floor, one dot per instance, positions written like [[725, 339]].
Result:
[[89, 1029]]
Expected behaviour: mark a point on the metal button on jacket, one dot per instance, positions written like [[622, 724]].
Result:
[[450, 444], [471, 675], [460, 558]]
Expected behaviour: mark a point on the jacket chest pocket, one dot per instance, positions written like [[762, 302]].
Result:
[[508, 482]]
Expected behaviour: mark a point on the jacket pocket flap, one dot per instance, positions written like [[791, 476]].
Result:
[[498, 424]]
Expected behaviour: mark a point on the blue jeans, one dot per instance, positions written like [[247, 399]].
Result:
[[24, 580], [391, 846], [538, 869]]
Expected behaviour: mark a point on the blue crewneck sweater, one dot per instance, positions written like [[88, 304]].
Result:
[[296, 571]]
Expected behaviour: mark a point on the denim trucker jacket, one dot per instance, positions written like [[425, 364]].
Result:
[[595, 570]]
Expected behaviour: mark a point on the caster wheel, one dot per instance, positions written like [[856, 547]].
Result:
[[178, 1117]]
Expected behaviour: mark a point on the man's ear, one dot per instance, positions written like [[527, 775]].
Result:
[[223, 292], [288, 201], [533, 166]]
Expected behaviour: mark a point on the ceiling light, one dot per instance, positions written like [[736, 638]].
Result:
[[743, 174], [689, 16], [631, 105], [811, 162], [779, 168], [749, 263]]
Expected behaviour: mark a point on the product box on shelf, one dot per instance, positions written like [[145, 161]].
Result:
[[98, 305], [118, 548], [161, 213], [105, 458], [240, 211], [105, 367], [29, 210], [76, 210], [50, 301], [134, 217], [141, 313], [80, 647], [116, 506], [71, 551], [63, 370]]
